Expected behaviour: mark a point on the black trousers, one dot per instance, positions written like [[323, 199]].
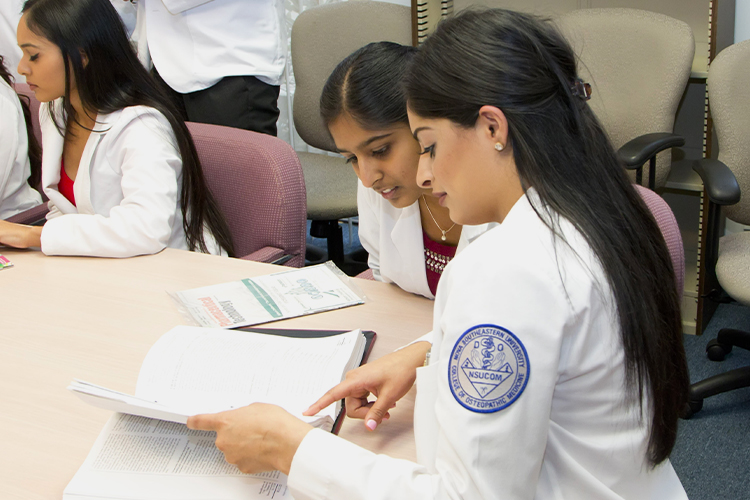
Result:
[[234, 101]]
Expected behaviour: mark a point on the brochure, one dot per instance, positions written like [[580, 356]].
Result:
[[273, 297]]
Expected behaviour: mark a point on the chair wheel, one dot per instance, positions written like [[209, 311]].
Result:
[[692, 407], [717, 351], [687, 412]]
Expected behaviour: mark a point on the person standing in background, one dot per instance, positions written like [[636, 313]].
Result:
[[221, 60], [10, 14]]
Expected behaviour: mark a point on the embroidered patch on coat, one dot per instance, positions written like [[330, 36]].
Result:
[[488, 369]]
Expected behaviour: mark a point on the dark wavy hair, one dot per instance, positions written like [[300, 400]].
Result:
[[114, 79], [522, 65], [34, 149], [367, 86]]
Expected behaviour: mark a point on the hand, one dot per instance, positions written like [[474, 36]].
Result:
[[388, 378], [19, 235], [256, 438]]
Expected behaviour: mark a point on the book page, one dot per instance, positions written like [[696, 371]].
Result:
[[202, 370], [139, 458], [286, 294]]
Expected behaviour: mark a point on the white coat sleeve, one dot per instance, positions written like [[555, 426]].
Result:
[[478, 455], [15, 193], [179, 6], [54, 212], [369, 228], [142, 223]]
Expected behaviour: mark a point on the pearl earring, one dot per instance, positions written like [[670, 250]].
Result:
[[499, 146]]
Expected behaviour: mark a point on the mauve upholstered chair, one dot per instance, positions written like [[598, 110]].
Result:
[[258, 183]]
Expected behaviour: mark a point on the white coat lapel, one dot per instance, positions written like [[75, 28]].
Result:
[[82, 186], [407, 244], [52, 150]]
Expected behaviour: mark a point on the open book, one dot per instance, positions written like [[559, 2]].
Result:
[[145, 451]]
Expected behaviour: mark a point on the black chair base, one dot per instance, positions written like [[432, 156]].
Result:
[[330, 230], [717, 350]]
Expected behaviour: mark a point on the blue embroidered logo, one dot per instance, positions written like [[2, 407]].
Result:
[[488, 369]]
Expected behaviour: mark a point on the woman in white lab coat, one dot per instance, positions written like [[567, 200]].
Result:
[[556, 369], [120, 169], [19, 170], [408, 236]]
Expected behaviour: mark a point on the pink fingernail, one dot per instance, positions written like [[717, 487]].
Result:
[[371, 424]]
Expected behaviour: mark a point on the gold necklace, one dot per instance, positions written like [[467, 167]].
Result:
[[443, 237]]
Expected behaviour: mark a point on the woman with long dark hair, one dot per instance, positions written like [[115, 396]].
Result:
[[556, 368], [20, 156], [120, 169], [408, 236]]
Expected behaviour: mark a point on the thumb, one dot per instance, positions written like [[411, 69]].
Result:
[[378, 412], [205, 422]]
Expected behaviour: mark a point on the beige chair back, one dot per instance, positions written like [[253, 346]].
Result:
[[729, 100], [638, 63], [321, 38]]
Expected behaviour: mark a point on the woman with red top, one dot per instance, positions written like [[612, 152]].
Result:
[[118, 166], [408, 235]]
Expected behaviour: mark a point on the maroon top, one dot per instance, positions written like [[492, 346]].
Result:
[[65, 186], [436, 257]]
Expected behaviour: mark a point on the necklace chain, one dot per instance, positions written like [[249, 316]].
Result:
[[444, 231]]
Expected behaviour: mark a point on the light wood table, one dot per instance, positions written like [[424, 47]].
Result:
[[95, 319]]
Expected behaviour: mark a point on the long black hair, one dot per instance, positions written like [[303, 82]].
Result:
[[113, 79], [523, 65], [367, 86], [34, 149]]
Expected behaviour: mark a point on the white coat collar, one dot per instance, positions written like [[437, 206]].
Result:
[[52, 147]]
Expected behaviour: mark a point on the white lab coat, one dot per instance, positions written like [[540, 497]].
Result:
[[10, 14], [127, 188], [393, 239], [196, 43], [568, 434], [15, 193]]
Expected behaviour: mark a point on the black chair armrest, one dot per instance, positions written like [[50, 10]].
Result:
[[638, 151], [719, 181]]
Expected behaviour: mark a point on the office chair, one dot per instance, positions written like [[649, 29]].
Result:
[[23, 89], [667, 223], [724, 179], [321, 37], [258, 183], [638, 64], [34, 216]]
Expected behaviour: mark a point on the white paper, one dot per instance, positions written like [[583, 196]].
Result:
[[205, 368], [140, 458], [192, 370], [267, 298]]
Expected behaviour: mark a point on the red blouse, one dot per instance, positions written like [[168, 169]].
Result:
[[436, 257], [66, 185]]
